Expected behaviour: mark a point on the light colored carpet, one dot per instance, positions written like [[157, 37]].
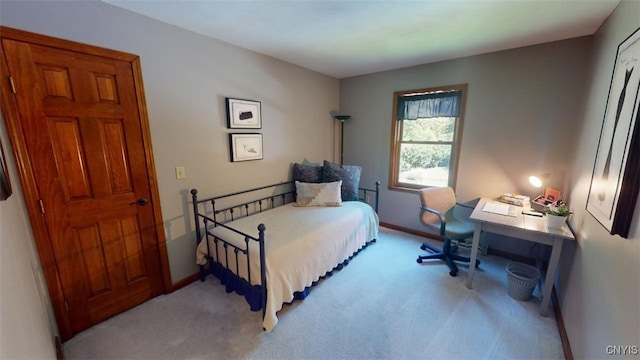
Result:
[[383, 305]]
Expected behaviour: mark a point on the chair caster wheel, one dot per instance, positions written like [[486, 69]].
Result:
[[453, 273], [419, 261], [422, 247], [477, 264]]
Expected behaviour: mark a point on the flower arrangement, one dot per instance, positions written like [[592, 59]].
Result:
[[560, 210]]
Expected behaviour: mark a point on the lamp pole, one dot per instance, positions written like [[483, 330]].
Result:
[[342, 119]]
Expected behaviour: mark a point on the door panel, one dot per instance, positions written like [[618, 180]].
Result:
[[83, 134], [70, 160]]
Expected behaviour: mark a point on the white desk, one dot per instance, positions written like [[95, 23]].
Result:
[[526, 227]]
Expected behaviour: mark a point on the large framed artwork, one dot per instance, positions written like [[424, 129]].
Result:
[[615, 180], [243, 114], [244, 147], [5, 184]]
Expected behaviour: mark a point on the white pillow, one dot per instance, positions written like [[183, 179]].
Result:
[[318, 194]]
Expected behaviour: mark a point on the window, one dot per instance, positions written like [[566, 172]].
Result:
[[426, 135]]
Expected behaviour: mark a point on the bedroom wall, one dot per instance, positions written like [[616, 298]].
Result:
[[509, 134], [523, 106], [600, 292], [27, 324], [186, 78]]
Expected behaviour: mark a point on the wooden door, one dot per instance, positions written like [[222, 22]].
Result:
[[88, 165]]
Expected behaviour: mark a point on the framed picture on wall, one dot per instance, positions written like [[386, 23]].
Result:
[[244, 147], [243, 114], [616, 173], [5, 184]]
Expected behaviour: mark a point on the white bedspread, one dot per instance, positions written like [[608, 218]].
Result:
[[302, 244]]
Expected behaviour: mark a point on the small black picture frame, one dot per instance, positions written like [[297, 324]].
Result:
[[243, 114]]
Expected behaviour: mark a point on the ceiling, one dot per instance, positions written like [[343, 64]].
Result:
[[344, 38]]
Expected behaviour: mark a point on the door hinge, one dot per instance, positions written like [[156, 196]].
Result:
[[41, 206], [13, 85]]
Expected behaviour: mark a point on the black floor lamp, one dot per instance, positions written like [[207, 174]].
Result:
[[342, 119]]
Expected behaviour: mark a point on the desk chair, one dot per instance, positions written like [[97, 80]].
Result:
[[437, 213]]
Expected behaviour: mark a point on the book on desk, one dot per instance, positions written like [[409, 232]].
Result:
[[500, 208], [515, 199], [506, 205]]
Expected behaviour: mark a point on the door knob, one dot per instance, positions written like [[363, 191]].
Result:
[[142, 201]]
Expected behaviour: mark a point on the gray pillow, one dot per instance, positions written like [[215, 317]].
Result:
[[349, 174], [307, 173]]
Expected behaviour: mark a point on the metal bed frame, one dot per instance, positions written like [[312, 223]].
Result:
[[207, 216]]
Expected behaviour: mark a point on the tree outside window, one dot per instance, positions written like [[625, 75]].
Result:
[[426, 137]]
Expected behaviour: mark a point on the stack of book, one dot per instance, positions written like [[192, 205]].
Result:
[[515, 199]]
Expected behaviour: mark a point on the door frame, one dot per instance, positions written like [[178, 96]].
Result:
[[11, 116]]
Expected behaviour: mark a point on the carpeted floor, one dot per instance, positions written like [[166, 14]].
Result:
[[383, 305]]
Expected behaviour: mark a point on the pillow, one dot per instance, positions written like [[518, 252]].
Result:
[[307, 173], [324, 194], [349, 174]]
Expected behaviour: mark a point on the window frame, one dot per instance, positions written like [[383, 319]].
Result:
[[396, 132]]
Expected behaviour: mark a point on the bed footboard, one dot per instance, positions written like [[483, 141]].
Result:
[[224, 257]]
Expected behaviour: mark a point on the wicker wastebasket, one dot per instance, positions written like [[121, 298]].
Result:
[[522, 280]]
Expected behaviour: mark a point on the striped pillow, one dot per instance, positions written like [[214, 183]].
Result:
[[323, 194]]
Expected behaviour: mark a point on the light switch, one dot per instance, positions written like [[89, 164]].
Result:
[[180, 172]]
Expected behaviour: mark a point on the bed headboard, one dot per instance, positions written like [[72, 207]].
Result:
[[221, 209], [260, 199], [277, 195]]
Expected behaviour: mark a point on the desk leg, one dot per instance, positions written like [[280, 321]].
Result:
[[474, 254], [551, 275]]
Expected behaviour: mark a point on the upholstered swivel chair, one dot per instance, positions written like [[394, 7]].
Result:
[[437, 213]]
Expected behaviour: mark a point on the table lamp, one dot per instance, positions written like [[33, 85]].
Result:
[[539, 180]]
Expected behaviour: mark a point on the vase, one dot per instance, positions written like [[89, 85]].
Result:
[[555, 221]]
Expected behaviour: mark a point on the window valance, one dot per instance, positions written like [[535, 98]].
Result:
[[441, 104]]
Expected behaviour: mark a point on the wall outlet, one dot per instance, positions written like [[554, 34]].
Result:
[[180, 172]]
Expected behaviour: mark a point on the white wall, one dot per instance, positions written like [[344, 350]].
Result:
[[186, 78], [600, 294], [26, 331], [510, 133], [522, 108]]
